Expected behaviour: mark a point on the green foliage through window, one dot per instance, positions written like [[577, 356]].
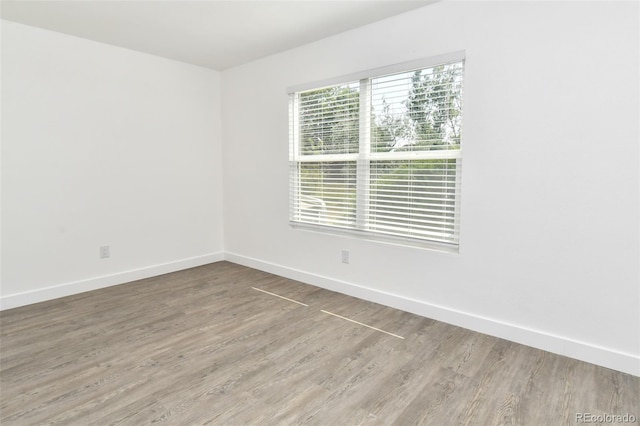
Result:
[[402, 176]]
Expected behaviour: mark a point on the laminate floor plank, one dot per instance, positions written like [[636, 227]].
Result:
[[202, 346]]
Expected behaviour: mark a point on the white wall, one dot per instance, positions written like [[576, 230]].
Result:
[[550, 198], [103, 146]]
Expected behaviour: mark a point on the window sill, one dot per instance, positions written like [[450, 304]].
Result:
[[378, 238]]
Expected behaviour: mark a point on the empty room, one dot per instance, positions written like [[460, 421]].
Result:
[[320, 212]]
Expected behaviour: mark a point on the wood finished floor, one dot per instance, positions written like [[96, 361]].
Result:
[[202, 346]]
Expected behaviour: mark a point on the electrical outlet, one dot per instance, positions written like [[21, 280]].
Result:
[[345, 256], [104, 252]]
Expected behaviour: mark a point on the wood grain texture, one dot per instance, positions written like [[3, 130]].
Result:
[[201, 346]]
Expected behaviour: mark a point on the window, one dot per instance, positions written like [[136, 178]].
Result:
[[379, 154]]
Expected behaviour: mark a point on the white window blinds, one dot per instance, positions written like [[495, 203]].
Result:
[[380, 156]]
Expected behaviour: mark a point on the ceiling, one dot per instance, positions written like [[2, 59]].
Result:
[[214, 34]]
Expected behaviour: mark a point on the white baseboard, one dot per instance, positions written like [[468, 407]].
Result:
[[605, 357], [75, 287]]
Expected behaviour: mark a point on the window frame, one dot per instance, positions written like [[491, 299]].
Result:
[[364, 157]]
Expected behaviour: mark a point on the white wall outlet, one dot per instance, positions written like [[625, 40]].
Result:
[[104, 252], [345, 256]]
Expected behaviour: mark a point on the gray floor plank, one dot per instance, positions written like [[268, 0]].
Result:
[[201, 346]]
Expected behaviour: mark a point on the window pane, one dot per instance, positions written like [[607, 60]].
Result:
[[327, 193], [414, 198], [329, 121], [418, 110], [387, 180]]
